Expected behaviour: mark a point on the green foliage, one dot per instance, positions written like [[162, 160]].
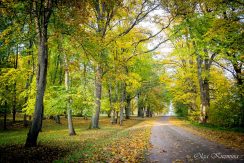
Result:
[[225, 111], [212, 32], [181, 109]]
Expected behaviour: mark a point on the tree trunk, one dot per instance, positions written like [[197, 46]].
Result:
[[14, 99], [113, 120], [14, 109], [121, 112], [123, 96], [25, 120], [70, 123], [69, 110], [41, 86], [57, 119], [116, 117], [98, 93], [142, 112], [204, 89], [44, 10], [127, 107], [148, 112], [109, 113], [138, 106], [111, 104], [5, 117]]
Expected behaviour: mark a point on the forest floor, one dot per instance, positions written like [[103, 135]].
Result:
[[174, 140], [158, 139], [111, 143]]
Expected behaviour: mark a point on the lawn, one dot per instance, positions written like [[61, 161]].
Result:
[[110, 143]]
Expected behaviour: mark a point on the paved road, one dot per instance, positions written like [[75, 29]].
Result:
[[174, 144]]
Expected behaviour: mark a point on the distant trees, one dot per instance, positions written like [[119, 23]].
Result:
[[202, 50]]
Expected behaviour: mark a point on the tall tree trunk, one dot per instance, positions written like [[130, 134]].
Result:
[[148, 112], [14, 104], [111, 104], [123, 96], [69, 110], [14, 98], [138, 108], [204, 88], [41, 86], [25, 120], [98, 93], [128, 98], [5, 116], [121, 112], [44, 10], [116, 117]]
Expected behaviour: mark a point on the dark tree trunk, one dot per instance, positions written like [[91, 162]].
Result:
[[14, 111], [44, 10], [109, 113], [127, 107], [123, 96], [242, 112], [25, 120], [14, 99], [116, 117], [57, 119], [98, 93], [148, 112], [140, 112], [112, 111], [5, 117]]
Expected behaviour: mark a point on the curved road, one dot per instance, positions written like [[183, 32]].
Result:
[[174, 144]]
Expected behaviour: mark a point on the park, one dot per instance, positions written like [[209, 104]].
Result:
[[121, 81]]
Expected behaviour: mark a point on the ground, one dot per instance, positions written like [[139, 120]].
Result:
[[159, 139], [172, 143], [110, 143]]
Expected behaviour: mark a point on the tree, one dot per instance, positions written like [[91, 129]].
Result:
[[109, 18], [205, 27], [43, 11]]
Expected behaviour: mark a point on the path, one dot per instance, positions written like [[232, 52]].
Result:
[[174, 144]]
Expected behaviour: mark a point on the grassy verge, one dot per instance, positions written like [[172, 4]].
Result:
[[228, 138], [111, 143]]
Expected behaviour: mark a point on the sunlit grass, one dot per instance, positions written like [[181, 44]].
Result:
[[87, 144]]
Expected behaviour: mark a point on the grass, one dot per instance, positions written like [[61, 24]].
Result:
[[212, 126], [228, 137], [111, 143]]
